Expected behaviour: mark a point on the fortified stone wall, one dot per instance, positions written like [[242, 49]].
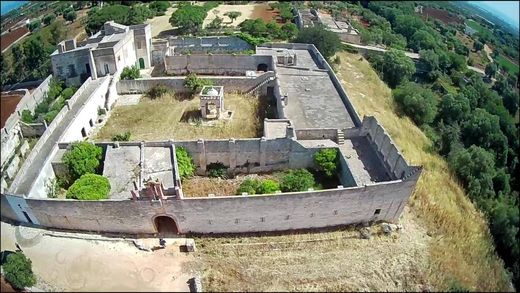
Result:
[[386, 148], [298, 210], [317, 133], [214, 64], [230, 83], [208, 44]]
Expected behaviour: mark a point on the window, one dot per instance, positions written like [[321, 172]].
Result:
[[119, 58], [83, 132], [72, 70], [107, 71], [138, 44], [377, 212], [91, 123]]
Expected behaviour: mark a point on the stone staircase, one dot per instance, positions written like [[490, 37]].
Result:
[[341, 137], [251, 91]]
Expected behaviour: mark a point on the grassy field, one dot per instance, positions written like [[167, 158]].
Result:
[[512, 67], [463, 252], [476, 26], [167, 118], [199, 186]]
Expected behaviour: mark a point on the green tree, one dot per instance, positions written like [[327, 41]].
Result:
[[96, 17], [454, 108], [476, 168], [233, 15], [297, 180], [407, 25], [130, 73], [34, 51], [49, 18], [82, 158], [289, 31], [327, 42], [18, 61], [188, 18], [417, 102], [184, 162], [216, 23], [159, 7], [57, 32], [256, 27], [70, 15], [478, 46], [33, 25], [422, 40], [89, 187], [326, 161], [18, 270], [396, 67], [448, 138], [138, 14], [490, 70]]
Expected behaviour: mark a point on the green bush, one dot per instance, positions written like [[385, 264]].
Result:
[[125, 136], [82, 158], [49, 116], [68, 93], [268, 186], [158, 91], [195, 84], [249, 185], [327, 161], [89, 187], [297, 180], [217, 170], [18, 270], [130, 72], [184, 162], [27, 116]]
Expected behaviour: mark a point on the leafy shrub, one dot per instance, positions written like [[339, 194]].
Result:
[[68, 92], [217, 170], [158, 91], [27, 116], [49, 116], [125, 136], [18, 270], [268, 186], [130, 73], [297, 180], [249, 185], [327, 161], [417, 102], [159, 7], [184, 162], [327, 42], [82, 158], [195, 83], [89, 187], [253, 41]]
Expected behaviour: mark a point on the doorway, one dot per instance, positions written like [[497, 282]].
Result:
[[262, 67], [141, 63], [165, 225]]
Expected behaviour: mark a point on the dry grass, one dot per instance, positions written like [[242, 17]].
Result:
[[328, 261], [463, 249], [199, 186], [168, 118]]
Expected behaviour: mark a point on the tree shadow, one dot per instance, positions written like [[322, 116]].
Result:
[[190, 116]]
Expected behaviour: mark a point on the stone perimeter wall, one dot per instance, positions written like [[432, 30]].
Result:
[[234, 214]]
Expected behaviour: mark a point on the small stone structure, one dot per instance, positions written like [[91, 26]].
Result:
[[212, 102], [286, 57]]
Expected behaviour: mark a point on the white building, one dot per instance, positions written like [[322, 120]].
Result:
[[107, 52]]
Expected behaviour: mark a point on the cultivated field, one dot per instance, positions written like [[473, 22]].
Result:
[[249, 11], [463, 252], [168, 118], [442, 15]]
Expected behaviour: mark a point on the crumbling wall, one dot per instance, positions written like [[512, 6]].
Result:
[[214, 64]]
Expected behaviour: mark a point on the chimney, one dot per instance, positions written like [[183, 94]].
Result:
[[61, 48]]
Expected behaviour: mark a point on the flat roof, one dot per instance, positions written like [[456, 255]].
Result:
[[313, 101]]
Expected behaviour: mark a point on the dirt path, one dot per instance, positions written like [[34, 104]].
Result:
[[72, 264], [488, 52], [161, 23]]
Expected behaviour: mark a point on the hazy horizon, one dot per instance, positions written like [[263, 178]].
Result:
[[507, 10]]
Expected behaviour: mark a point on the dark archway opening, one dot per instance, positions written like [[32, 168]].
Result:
[[262, 67], [165, 225], [141, 63]]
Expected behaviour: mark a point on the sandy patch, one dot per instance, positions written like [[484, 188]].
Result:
[[249, 11], [161, 23], [72, 264]]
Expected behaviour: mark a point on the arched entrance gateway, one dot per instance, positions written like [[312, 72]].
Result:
[[262, 67], [165, 225]]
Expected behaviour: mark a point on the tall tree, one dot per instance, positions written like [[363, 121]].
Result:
[[327, 42]]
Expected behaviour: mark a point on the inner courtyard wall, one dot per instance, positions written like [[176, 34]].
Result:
[[214, 64]]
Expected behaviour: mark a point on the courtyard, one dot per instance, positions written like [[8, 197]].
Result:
[[170, 117], [248, 11]]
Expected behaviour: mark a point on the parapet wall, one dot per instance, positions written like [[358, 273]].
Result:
[[233, 214], [208, 44], [214, 64], [231, 83], [386, 148]]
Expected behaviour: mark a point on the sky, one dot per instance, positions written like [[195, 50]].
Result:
[[507, 10], [7, 6]]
